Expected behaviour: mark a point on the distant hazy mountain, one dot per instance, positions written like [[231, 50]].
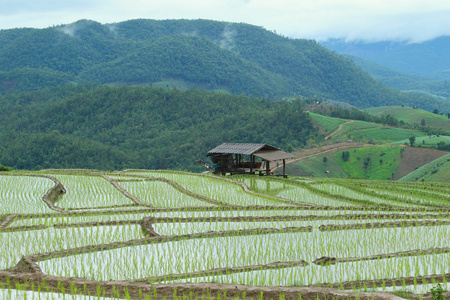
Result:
[[233, 57], [403, 81], [430, 59]]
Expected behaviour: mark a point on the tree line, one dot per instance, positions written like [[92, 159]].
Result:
[[108, 128]]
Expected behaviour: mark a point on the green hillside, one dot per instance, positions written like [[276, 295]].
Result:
[[411, 115], [192, 59], [326, 124], [360, 131], [375, 163], [436, 171], [442, 173], [109, 128], [431, 141], [317, 168], [233, 57]]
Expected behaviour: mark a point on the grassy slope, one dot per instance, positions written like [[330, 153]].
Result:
[[364, 131], [354, 167], [379, 167], [437, 170], [360, 131], [442, 174], [315, 167], [326, 124], [426, 141], [410, 115]]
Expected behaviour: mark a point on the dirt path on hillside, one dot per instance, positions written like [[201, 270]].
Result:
[[337, 130]]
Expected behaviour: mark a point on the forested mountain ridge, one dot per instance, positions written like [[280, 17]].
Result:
[[112, 128], [237, 57]]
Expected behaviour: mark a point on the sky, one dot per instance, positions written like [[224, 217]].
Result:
[[366, 20]]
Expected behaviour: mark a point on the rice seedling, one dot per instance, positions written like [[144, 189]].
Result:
[[208, 253], [17, 244], [89, 191], [247, 237], [160, 194], [23, 194]]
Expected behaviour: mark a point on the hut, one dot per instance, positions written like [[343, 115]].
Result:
[[243, 158]]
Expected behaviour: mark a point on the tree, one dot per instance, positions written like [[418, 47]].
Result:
[[3, 168], [325, 159], [422, 122], [436, 111], [366, 162], [345, 155], [412, 140]]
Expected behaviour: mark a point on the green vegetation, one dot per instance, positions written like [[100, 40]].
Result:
[[196, 228], [375, 163], [435, 85], [234, 57], [5, 169], [326, 124], [373, 133], [437, 292], [436, 171], [430, 141], [351, 113], [413, 116], [109, 128], [317, 168]]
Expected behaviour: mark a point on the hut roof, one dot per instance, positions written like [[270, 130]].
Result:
[[264, 151]]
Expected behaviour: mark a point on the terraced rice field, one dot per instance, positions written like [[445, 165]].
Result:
[[140, 234]]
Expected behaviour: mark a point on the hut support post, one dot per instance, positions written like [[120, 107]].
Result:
[[284, 168], [251, 164], [267, 168]]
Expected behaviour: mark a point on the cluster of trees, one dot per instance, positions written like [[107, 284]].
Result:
[[354, 114], [100, 127]]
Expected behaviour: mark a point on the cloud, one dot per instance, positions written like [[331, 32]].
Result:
[[410, 20]]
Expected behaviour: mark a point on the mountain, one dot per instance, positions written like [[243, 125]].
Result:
[[403, 81], [232, 57], [110, 128], [430, 59]]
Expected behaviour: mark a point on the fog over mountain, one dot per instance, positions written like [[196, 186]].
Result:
[[412, 21]]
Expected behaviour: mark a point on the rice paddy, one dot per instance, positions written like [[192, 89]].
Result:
[[154, 234]]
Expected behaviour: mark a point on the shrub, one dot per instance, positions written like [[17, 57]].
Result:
[[437, 292], [3, 168]]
